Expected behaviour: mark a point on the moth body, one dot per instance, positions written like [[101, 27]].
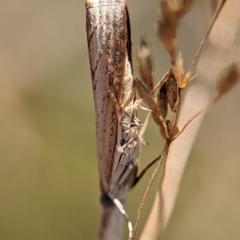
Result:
[[110, 56]]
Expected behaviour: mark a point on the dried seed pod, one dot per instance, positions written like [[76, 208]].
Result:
[[172, 131], [162, 101], [180, 72], [228, 78], [172, 90], [169, 16], [182, 78], [167, 38], [145, 63]]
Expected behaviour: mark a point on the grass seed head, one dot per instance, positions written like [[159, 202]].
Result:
[[172, 91], [169, 16], [167, 38], [145, 65]]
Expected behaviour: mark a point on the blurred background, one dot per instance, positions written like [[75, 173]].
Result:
[[48, 167]]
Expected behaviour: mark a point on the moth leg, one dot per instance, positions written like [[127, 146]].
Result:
[[141, 174], [121, 109], [123, 122], [121, 209], [126, 165]]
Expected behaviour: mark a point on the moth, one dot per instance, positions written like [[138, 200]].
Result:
[[111, 65]]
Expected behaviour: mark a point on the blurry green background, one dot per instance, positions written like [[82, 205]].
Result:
[[48, 168]]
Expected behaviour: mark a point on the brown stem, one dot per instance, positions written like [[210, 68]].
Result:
[[161, 81], [159, 159], [197, 55], [141, 174]]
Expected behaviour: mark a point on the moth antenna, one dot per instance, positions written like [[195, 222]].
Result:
[[121, 209]]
